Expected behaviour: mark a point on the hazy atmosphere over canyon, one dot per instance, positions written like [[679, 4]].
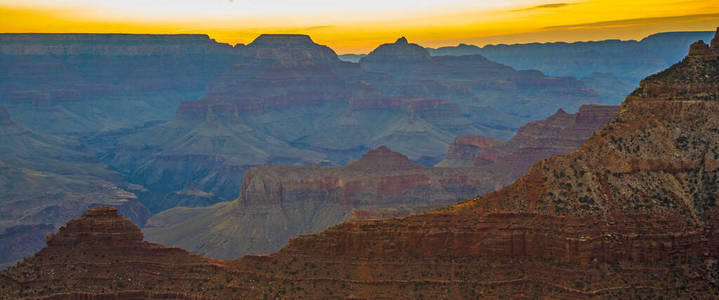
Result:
[[235, 150]]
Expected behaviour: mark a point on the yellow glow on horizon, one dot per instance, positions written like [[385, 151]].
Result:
[[433, 23]]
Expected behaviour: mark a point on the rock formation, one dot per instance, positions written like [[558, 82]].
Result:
[[466, 148], [506, 161], [382, 183], [291, 101], [73, 84], [118, 261], [629, 60], [46, 180], [278, 202], [642, 192], [473, 80], [631, 214]]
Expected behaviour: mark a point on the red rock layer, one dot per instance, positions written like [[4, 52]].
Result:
[[383, 158], [466, 147], [101, 255], [558, 134], [631, 214]]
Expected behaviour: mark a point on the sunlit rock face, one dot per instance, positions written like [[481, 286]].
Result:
[[278, 202], [634, 207]]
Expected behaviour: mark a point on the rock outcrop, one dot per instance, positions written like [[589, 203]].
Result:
[[473, 80], [381, 183], [278, 202], [559, 134], [400, 52], [109, 250], [383, 159], [288, 100], [46, 180], [466, 148], [628, 60], [630, 214]]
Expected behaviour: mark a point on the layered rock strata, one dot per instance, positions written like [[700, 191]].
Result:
[[631, 214]]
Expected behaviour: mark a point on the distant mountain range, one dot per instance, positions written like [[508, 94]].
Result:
[[613, 68]]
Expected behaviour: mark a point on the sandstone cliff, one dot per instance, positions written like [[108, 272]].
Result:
[[630, 214], [288, 100], [279, 202], [473, 80], [115, 258], [560, 133]]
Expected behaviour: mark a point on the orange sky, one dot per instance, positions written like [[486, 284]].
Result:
[[359, 26]]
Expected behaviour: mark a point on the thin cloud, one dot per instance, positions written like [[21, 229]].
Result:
[[545, 6], [320, 27], [635, 22]]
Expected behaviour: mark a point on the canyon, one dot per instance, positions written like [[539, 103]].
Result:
[[277, 202], [166, 125], [631, 213], [288, 100], [44, 181]]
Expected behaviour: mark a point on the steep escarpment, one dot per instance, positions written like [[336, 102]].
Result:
[[630, 214], [474, 81], [381, 183], [560, 133], [642, 192], [46, 180], [612, 68], [38, 202], [627, 60], [108, 44], [289, 101], [73, 84], [279, 202], [117, 259]]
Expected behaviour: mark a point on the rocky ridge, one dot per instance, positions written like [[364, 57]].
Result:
[[381, 184], [558, 134], [117, 259], [278, 202], [46, 180], [630, 214]]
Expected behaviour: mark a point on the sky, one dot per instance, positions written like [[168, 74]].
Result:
[[360, 26]]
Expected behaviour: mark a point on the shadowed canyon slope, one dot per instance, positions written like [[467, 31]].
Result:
[[611, 67], [289, 100], [630, 214], [506, 161], [120, 93], [278, 202], [86, 84], [46, 180], [131, 99]]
